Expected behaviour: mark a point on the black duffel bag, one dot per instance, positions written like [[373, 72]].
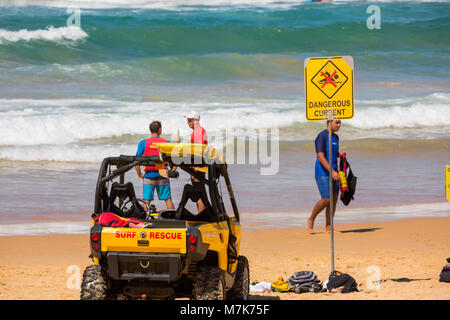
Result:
[[445, 273], [338, 279]]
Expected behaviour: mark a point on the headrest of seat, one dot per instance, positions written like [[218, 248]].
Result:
[[122, 191], [193, 192]]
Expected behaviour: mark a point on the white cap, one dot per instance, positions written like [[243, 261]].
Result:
[[192, 115]]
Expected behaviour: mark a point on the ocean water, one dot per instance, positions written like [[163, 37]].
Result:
[[81, 80]]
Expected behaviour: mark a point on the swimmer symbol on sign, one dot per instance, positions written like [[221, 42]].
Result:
[[329, 79]]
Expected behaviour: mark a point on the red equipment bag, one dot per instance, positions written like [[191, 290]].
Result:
[[109, 219]]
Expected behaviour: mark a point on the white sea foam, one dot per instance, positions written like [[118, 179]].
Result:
[[155, 4], [57, 122], [87, 130], [417, 115], [72, 33], [179, 4]]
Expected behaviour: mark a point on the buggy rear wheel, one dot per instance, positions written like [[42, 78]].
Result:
[[241, 287], [93, 284], [209, 284]]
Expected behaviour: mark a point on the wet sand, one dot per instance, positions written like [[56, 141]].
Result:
[[407, 254]]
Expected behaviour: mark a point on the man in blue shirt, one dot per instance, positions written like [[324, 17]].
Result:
[[151, 178], [322, 172]]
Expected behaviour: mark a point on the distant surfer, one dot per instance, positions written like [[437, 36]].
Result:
[[322, 172]]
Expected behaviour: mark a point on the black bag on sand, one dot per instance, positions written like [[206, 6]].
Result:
[[445, 273], [338, 279], [304, 281]]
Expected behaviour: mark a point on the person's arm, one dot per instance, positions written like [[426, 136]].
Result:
[[138, 171], [321, 149], [139, 153], [323, 161]]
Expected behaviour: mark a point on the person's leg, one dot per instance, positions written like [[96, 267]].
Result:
[[148, 192], [165, 194], [146, 204], [335, 199], [322, 185], [169, 204], [200, 205], [319, 206]]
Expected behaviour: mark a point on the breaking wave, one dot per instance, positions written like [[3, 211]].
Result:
[[51, 33]]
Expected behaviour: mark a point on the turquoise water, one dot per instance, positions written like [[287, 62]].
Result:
[[213, 45], [72, 95]]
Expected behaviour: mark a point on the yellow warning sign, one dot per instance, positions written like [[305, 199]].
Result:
[[329, 88], [447, 181]]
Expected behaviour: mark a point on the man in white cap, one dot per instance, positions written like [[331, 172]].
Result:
[[198, 133], [198, 136]]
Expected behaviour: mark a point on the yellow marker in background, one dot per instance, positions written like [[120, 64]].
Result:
[[447, 182]]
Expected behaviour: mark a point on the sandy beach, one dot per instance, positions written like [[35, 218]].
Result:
[[409, 255]]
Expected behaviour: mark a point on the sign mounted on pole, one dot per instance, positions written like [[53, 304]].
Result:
[[329, 95], [329, 88]]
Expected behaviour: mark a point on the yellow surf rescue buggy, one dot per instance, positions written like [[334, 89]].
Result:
[[176, 253]]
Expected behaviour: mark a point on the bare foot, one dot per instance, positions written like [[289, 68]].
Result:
[[309, 225], [329, 229]]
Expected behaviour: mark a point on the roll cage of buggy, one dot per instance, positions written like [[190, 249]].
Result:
[[205, 165]]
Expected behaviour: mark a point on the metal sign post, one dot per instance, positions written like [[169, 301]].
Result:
[[330, 161], [329, 95]]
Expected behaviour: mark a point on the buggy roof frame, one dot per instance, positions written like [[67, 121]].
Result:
[[216, 168]]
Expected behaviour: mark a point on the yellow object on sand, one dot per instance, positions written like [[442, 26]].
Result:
[[281, 286]]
